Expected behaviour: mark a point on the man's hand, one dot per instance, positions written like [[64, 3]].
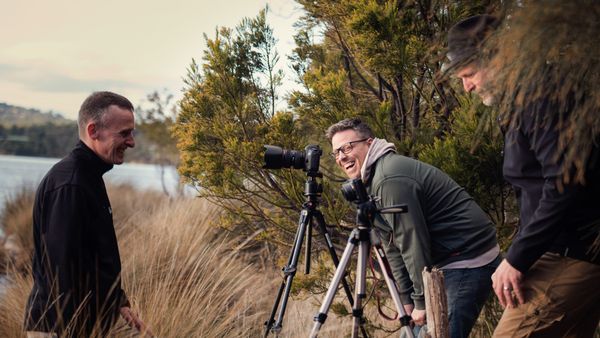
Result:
[[408, 308], [418, 317], [134, 321], [507, 285]]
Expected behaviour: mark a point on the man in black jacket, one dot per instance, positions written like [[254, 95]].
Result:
[[547, 282], [76, 264]]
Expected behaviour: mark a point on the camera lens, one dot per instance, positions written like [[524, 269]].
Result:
[[354, 191], [348, 191], [277, 158], [293, 159]]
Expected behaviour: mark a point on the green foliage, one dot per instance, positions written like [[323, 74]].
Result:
[[154, 124], [48, 140], [471, 153], [379, 60], [226, 115]]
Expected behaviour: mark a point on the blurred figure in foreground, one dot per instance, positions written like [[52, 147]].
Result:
[[547, 281]]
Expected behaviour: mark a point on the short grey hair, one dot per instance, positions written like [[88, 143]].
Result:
[[353, 123], [95, 106]]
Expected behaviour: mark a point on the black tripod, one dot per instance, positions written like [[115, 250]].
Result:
[[308, 216], [365, 237]]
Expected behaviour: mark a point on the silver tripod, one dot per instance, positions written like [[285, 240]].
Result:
[[365, 237]]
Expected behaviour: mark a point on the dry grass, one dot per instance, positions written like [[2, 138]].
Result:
[[184, 278], [12, 307], [178, 270], [16, 222], [299, 320]]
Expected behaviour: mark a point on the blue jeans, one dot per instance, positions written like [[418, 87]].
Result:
[[467, 290]]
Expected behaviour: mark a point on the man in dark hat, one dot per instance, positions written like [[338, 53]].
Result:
[[465, 41], [547, 281]]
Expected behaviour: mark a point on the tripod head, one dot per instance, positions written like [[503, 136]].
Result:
[[312, 188], [354, 191]]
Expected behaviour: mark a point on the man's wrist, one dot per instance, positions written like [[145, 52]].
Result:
[[419, 304]]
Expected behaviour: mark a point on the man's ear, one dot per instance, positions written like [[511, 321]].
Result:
[[92, 130]]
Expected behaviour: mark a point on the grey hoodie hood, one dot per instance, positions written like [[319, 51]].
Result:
[[378, 148]]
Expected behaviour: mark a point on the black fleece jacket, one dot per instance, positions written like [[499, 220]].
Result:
[[555, 216], [76, 263]]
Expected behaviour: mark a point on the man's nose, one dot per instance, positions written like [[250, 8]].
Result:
[[468, 85], [340, 157], [130, 141]]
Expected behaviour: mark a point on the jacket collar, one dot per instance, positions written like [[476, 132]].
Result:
[[92, 161]]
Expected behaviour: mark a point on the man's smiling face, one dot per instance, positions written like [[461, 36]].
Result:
[[350, 154]]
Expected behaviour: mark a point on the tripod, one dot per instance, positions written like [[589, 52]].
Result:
[[365, 237], [308, 216]]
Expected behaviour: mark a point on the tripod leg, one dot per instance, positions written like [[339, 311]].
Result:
[[289, 271], [335, 282], [361, 280], [392, 288], [323, 230]]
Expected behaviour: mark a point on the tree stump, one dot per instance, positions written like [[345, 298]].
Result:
[[436, 304]]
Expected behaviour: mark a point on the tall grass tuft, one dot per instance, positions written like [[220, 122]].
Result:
[[16, 223], [183, 277], [178, 270]]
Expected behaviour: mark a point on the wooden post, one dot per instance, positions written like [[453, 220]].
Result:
[[436, 304]]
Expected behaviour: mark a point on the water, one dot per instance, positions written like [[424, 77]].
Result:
[[22, 172]]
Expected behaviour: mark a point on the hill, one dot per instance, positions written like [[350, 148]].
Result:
[[25, 117], [30, 132]]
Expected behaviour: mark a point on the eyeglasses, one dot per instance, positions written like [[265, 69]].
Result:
[[346, 148]]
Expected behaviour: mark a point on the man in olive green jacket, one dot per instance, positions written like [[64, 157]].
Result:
[[443, 227]]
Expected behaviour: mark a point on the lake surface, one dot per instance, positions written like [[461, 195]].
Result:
[[22, 172]]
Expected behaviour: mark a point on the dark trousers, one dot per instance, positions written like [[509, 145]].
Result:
[[467, 290]]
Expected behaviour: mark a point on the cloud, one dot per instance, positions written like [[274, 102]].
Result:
[[46, 80]]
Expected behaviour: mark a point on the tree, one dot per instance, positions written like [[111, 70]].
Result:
[[556, 60], [385, 57], [381, 60], [154, 124], [226, 116]]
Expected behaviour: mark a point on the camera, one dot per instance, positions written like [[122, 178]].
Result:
[[354, 191], [307, 160]]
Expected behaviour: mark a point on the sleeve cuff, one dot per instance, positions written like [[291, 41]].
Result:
[[124, 300], [419, 304], [519, 259]]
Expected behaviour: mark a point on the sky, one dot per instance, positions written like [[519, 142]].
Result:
[[53, 54]]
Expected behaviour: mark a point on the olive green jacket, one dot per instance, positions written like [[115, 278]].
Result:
[[443, 223]]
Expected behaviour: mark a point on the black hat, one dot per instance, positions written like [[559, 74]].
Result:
[[465, 39]]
